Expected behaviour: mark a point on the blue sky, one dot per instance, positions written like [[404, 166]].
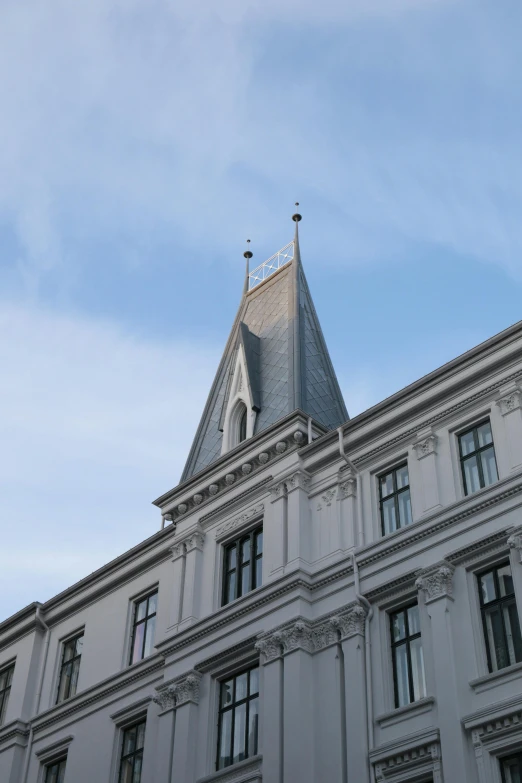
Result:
[[142, 142]]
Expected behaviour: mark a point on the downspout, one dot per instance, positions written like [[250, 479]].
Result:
[[359, 538], [43, 625]]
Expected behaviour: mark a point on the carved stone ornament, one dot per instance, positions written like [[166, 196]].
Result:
[[298, 636], [425, 446], [437, 581], [270, 645], [198, 499], [510, 402], [213, 489], [181, 691], [195, 540], [278, 490], [298, 480], [168, 518], [515, 540], [182, 508], [351, 622], [299, 437], [328, 496], [264, 457], [230, 478], [232, 524], [246, 468], [347, 485], [281, 447], [178, 550]]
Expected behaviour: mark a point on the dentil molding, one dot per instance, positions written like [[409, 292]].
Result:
[[436, 581]]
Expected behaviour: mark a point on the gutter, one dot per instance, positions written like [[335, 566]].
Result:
[[47, 638]]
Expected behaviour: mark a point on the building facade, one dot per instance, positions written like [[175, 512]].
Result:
[[328, 599]]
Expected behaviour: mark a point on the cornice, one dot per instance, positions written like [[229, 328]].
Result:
[[492, 713], [98, 692], [16, 730]]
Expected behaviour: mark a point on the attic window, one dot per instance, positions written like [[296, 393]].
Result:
[[241, 423]]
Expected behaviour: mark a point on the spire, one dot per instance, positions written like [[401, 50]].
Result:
[[275, 360]]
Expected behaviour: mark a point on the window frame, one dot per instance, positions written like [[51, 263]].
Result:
[[395, 495], [406, 642], [254, 665], [497, 602], [237, 542], [73, 638], [5, 693], [142, 721], [478, 450], [504, 759], [144, 621], [56, 762]]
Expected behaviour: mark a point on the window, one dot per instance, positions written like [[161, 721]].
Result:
[[132, 754], [6, 678], [477, 458], [70, 668], [55, 772], [394, 493], [243, 565], [512, 769], [143, 626], [500, 617], [242, 428], [408, 660], [238, 718]]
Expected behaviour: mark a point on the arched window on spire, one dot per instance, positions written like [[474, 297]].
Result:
[[242, 423]]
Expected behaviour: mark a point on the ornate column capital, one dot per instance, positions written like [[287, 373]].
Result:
[[165, 698], [186, 542], [298, 480], [510, 402], [425, 445], [347, 484], [187, 688], [436, 581], [351, 622], [270, 644], [298, 636], [515, 541], [277, 491]]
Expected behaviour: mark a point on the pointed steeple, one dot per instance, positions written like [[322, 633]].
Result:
[[275, 360]]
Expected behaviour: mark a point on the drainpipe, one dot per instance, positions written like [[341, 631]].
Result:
[[359, 538], [310, 436], [47, 638]]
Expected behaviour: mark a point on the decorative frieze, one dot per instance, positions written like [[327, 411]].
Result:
[[246, 469], [425, 446], [182, 508], [197, 499], [510, 402], [182, 690], [230, 479], [412, 761], [264, 457], [241, 520], [281, 447], [213, 489], [436, 581]]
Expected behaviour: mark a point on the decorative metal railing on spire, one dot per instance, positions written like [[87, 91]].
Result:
[[279, 259]]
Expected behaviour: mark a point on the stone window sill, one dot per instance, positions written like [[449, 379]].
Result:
[[248, 771], [493, 679], [405, 713]]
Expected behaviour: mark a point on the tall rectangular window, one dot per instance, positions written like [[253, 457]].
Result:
[[238, 718], [395, 500], [500, 617], [477, 458], [55, 772], [70, 668], [6, 678], [512, 769], [407, 656], [143, 627], [131, 761], [243, 566]]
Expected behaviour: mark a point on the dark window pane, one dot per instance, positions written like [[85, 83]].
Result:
[[487, 585], [153, 602], [259, 543], [413, 620], [140, 737], [231, 557], [10, 673], [512, 769], [129, 741], [245, 579], [69, 650], [79, 645], [65, 681], [137, 769], [253, 725], [149, 637], [386, 483], [513, 641], [227, 693], [254, 681], [245, 550], [241, 687], [402, 477], [505, 580], [484, 434], [259, 572], [401, 675], [239, 752], [417, 668], [388, 515], [141, 610], [398, 626], [61, 772], [74, 677], [231, 587], [489, 466], [471, 474], [225, 740], [126, 771], [495, 638], [405, 508], [467, 443], [137, 648], [3, 680]]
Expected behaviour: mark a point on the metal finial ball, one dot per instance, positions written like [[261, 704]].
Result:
[[247, 253], [297, 217]]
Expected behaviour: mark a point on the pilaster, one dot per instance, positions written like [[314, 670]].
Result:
[[510, 405], [298, 710], [436, 585], [190, 607], [299, 519], [347, 500], [425, 449], [276, 529], [271, 649]]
